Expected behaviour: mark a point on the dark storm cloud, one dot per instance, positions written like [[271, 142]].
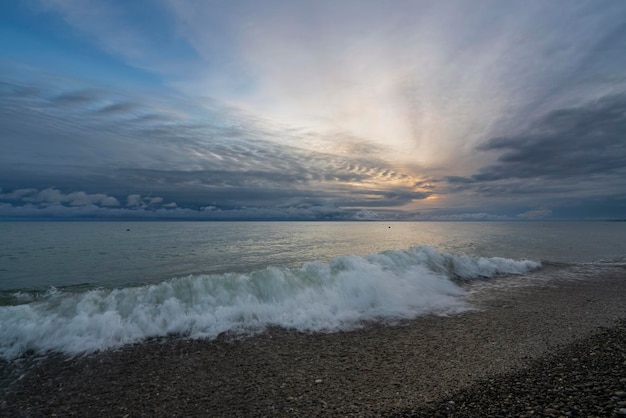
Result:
[[571, 158], [567, 143], [570, 144]]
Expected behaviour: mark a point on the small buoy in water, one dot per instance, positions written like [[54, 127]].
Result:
[[127, 229]]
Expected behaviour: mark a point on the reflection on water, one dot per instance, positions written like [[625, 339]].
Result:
[[37, 255]]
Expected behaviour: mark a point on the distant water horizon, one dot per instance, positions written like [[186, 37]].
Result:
[[147, 219]]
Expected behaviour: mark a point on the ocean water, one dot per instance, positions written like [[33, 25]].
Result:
[[81, 287]]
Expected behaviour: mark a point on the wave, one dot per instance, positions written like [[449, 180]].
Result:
[[339, 295]]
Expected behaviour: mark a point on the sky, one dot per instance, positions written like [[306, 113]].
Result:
[[313, 109]]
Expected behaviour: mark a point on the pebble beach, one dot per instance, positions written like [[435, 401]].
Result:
[[546, 349]]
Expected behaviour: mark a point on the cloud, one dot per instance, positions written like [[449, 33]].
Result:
[[140, 33], [566, 143], [53, 202], [138, 201], [570, 158], [536, 214], [51, 196], [75, 98], [186, 156], [142, 209], [367, 215], [390, 73], [18, 194], [134, 200], [577, 149], [354, 109], [121, 108]]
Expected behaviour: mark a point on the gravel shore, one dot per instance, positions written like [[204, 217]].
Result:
[[537, 350], [584, 379]]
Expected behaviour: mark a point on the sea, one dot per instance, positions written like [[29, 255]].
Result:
[[76, 288]]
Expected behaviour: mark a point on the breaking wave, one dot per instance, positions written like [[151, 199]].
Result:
[[339, 295]]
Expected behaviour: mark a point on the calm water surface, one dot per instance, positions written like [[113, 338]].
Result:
[[37, 255]]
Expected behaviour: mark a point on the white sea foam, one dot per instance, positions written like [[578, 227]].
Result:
[[338, 295]]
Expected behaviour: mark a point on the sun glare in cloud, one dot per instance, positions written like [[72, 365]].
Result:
[[387, 74], [317, 67]]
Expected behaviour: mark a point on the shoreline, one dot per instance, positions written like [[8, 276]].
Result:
[[380, 370]]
